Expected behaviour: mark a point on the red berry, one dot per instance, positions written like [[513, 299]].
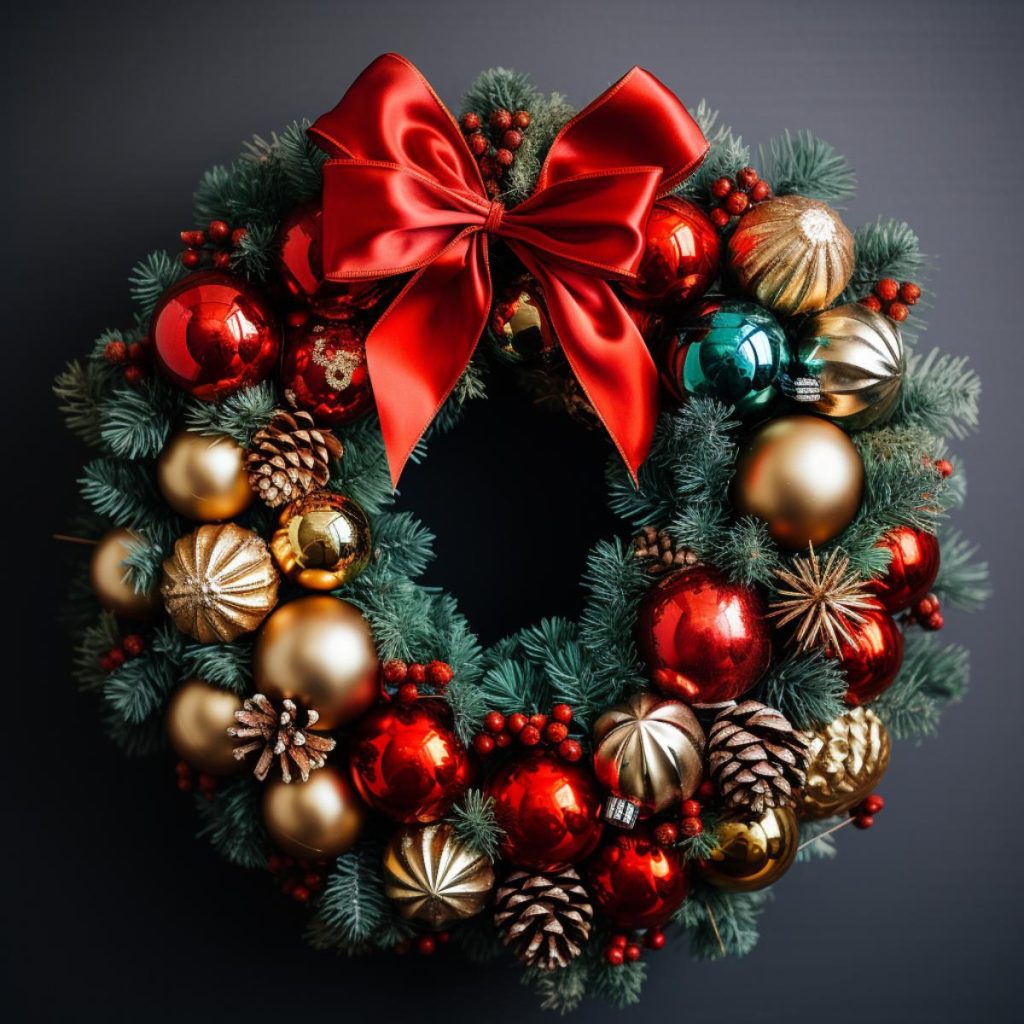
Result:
[[312, 880], [138, 352], [236, 237], [529, 736], [691, 827], [666, 834], [182, 768], [494, 721], [521, 119], [538, 721], [222, 260], [395, 670], [909, 293], [655, 939], [555, 732], [747, 178], [897, 311], [300, 894], [706, 790], [105, 663], [760, 192], [619, 941], [115, 351], [863, 821], [218, 231], [872, 302], [721, 187], [184, 785], [501, 119], [417, 673], [720, 218], [442, 937], [408, 693], [133, 645], [492, 188], [944, 468], [934, 621], [116, 656], [477, 143], [633, 952], [570, 750], [736, 203], [440, 673], [194, 239], [502, 740], [928, 605], [690, 808], [133, 374], [470, 122], [872, 804], [562, 713], [887, 289], [504, 157], [516, 721], [483, 744], [190, 258], [426, 944], [275, 863], [615, 956], [512, 139]]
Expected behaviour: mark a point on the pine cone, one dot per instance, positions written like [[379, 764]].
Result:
[[544, 919], [290, 456], [660, 553], [756, 758]]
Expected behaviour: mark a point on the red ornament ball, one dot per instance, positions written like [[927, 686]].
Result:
[[635, 882], [913, 566], [214, 333], [324, 370], [710, 635], [407, 762], [550, 810], [681, 259], [871, 661]]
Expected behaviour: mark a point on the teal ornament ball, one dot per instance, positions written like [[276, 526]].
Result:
[[729, 350]]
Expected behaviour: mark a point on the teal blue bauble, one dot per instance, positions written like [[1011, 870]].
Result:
[[728, 350]]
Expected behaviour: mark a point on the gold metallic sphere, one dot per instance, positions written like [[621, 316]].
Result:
[[319, 652], [198, 718], [204, 478], [314, 820], [322, 541], [752, 852], [528, 332], [803, 477], [107, 575]]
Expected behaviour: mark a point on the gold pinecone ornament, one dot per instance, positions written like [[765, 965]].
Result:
[[545, 919], [660, 553], [757, 760], [289, 457]]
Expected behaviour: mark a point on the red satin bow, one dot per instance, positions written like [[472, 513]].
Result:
[[403, 194]]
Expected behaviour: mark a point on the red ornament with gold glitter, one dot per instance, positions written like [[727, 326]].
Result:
[[871, 659], [913, 567]]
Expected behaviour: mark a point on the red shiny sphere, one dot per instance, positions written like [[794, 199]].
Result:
[[214, 333], [550, 811], [324, 370], [299, 249], [408, 763], [913, 566], [635, 882], [871, 662], [711, 632], [682, 255]]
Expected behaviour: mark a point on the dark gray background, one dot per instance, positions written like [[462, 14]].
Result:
[[113, 110]]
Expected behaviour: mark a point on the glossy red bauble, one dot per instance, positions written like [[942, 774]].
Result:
[[408, 763], [913, 566], [214, 333], [635, 882], [324, 370], [550, 810], [681, 259], [710, 633], [871, 662]]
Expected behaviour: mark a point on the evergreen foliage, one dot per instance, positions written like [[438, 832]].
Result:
[[807, 688], [231, 820], [802, 164], [475, 825]]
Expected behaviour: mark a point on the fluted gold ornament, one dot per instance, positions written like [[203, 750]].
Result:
[[793, 254], [649, 750], [803, 476], [847, 758], [848, 364], [203, 477], [314, 820], [319, 652], [433, 878], [753, 852], [110, 584], [322, 541], [198, 718], [220, 582]]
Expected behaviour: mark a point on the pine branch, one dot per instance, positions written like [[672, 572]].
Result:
[[402, 543], [226, 665], [747, 554], [122, 492], [887, 248], [80, 387], [151, 278], [807, 688], [823, 848], [239, 415], [233, 823], [940, 394], [254, 255], [802, 164], [735, 917], [139, 688], [301, 160], [726, 156], [475, 824], [962, 581], [353, 906], [136, 421]]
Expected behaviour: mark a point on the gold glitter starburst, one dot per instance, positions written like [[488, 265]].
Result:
[[823, 598]]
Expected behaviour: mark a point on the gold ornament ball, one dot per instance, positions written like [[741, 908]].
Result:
[[319, 652], [803, 476], [847, 759], [108, 576], [793, 254], [528, 333], [753, 852], [198, 718], [204, 478], [314, 820], [433, 878], [322, 541]]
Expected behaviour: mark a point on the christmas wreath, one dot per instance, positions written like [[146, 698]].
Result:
[[580, 791]]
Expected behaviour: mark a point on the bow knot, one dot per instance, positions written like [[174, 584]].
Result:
[[495, 213]]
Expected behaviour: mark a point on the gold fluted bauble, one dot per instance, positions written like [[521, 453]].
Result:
[[803, 476], [322, 541], [319, 652], [848, 364], [753, 852], [110, 584], [219, 583], [649, 750], [847, 758], [203, 477], [314, 820], [793, 254], [198, 718], [433, 878]]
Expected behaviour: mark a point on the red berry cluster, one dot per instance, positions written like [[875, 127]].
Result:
[[497, 153], [188, 779], [864, 813], [737, 195], [425, 945], [133, 357], [892, 298], [216, 242], [410, 677], [530, 730], [130, 647], [690, 825], [300, 880], [927, 613], [621, 949]]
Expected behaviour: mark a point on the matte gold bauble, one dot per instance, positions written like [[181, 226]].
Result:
[[847, 758], [198, 718], [792, 254], [322, 541], [318, 651], [753, 852], [803, 477], [527, 333], [108, 576], [204, 478], [314, 820], [433, 878]]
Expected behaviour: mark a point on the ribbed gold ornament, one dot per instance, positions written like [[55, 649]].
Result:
[[752, 852]]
